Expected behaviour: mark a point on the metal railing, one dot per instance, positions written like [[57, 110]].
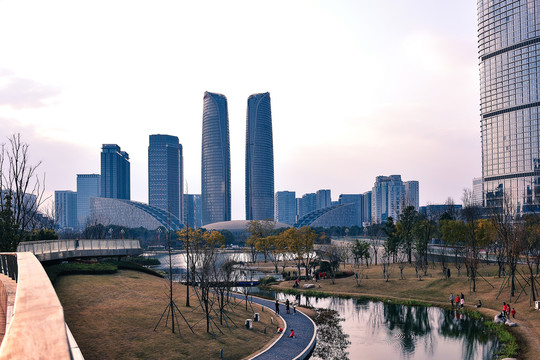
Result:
[[50, 246], [8, 264]]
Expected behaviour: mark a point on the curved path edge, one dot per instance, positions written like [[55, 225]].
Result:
[[284, 347]]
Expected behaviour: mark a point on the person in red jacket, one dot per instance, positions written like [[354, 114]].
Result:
[[292, 334], [513, 312]]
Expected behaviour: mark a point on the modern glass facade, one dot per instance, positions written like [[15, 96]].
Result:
[[306, 204], [259, 159], [285, 207], [216, 160], [65, 209], [165, 173], [192, 210], [357, 199], [509, 54], [88, 185], [115, 173], [324, 198], [131, 214], [335, 215]]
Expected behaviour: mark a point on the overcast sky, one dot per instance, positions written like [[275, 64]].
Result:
[[358, 88]]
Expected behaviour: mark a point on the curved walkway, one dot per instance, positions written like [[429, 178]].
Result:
[[285, 347]]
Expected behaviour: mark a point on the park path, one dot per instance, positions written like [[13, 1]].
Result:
[[285, 347]]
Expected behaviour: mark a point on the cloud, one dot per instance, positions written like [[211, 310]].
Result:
[[20, 93]]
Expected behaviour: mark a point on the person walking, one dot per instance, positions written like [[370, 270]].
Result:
[[277, 307], [457, 301], [452, 298], [513, 312], [462, 302], [292, 334], [287, 306]]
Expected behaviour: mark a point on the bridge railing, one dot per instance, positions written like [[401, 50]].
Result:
[[54, 246], [37, 329]]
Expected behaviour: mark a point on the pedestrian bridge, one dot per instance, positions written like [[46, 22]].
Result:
[[48, 250]]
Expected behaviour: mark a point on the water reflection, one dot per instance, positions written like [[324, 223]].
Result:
[[388, 331]]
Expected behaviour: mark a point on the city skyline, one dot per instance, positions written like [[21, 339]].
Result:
[[351, 99]]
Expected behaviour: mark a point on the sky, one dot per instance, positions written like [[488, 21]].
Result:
[[358, 88]]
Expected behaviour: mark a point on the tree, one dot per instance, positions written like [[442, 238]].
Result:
[[391, 244], [532, 252], [505, 219], [258, 229], [8, 229], [20, 181], [308, 236], [405, 230], [360, 251], [190, 238], [471, 213]]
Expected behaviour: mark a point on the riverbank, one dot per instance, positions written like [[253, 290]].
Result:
[[113, 317], [435, 290]]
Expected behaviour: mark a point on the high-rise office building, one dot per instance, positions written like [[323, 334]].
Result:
[[285, 207], [192, 211], [216, 160], [324, 199], [477, 191], [366, 220], [115, 172], [388, 198], [390, 195], [65, 209], [165, 174], [508, 45], [306, 204], [412, 194], [358, 200], [259, 159], [88, 185]]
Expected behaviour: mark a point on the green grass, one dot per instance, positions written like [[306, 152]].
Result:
[[509, 347], [105, 267]]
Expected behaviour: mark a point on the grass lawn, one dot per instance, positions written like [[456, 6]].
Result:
[[435, 289], [113, 317]]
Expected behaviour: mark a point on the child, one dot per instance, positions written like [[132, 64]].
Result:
[[513, 312]]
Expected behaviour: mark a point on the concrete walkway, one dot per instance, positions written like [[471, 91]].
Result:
[[285, 347]]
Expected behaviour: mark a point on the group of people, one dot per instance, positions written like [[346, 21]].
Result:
[[507, 312], [280, 330], [459, 300], [287, 307]]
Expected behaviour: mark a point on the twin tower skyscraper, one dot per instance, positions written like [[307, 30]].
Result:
[[216, 159]]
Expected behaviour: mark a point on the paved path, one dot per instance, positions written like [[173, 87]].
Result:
[[288, 348]]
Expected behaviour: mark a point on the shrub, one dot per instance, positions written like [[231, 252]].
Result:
[[78, 268]]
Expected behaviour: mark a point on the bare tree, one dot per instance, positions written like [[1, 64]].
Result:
[[20, 180], [505, 219]]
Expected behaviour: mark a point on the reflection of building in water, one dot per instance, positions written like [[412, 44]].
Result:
[[509, 103]]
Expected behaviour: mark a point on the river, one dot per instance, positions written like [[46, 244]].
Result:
[[379, 330]]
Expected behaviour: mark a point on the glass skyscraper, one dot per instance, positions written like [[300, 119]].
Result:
[[165, 174], [259, 159], [509, 50], [115, 173], [285, 207], [88, 185], [65, 209], [216, 160]]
